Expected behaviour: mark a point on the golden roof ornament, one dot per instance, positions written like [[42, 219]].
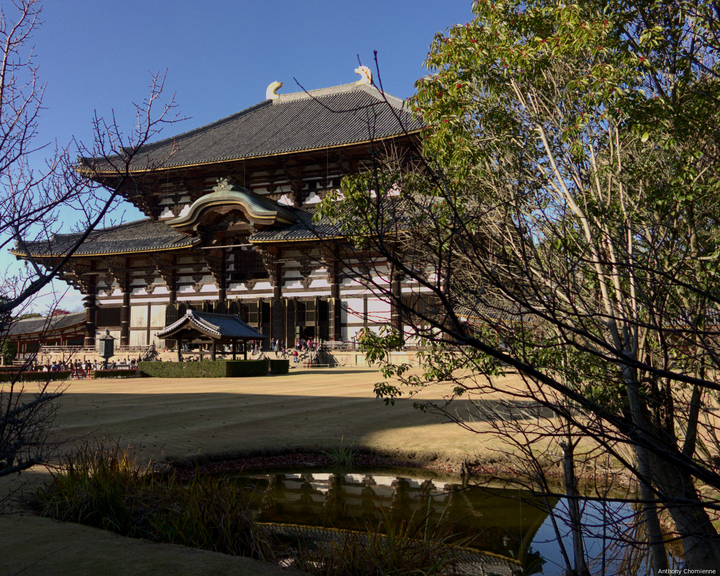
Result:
[[365, 75], [271, 92]]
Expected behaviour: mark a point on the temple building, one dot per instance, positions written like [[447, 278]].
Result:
[[229, 223]]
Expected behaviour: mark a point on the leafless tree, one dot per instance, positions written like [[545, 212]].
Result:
[[34, 205]]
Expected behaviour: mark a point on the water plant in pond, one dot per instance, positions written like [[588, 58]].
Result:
[[101, 484], [343, 457], [400, 546]]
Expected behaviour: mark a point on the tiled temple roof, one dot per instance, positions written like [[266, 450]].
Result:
[[318, 119], [139, 236], [41, 325], [157, 236], [216, 326], [302, 230]]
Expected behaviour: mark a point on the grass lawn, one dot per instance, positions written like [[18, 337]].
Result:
[[180, 419]]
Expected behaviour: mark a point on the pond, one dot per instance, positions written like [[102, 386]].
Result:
[[502, 531]]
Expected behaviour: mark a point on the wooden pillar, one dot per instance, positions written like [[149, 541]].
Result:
[[277, 314], [234, 349], [90, 315], [334, 302], [335, 310], [222, 286], [179, 349], [395, 307], [316, 327], [173, 287], [290, 323], [125, 316], [213, 351]]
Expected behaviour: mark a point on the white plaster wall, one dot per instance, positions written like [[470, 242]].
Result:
[[379, 311], [138, 316], [138, 337], [157, 316], [353, 309], [351, 332], [263, 286]]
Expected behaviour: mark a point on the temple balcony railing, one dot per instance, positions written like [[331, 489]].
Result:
[[83, 350], [342, 346]]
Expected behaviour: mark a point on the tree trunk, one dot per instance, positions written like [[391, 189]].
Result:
[[652, 523], [676, 489], [573, 496], [699, 537]]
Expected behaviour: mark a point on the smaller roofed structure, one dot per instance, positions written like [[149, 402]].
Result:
[[206, 327], [58, 330]]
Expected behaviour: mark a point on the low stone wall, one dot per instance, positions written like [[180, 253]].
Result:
[[356, 358]]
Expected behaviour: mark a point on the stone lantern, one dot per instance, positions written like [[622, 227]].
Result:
[[106, 347]]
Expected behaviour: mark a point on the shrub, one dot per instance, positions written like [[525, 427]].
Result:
[[279, 366], [101, 484], [240, 368], [35, 376], [115, 373], [204, 369]]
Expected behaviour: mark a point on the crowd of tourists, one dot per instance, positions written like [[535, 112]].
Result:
[[301, 345], [82, 369]]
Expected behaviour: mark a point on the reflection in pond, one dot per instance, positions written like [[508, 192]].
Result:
[[505, 532], [496, 525]]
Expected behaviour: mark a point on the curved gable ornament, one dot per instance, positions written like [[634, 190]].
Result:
[[226, 196]]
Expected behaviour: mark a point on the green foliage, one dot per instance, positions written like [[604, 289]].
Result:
[[101, 484], [35, 376], [343, 457], [278, 366], [9, 351], [565, 202], [115, 373], [205, 369], [571, 170]]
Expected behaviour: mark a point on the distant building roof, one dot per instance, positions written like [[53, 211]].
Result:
[[45, 324], [215, 326], [301, 121], [139, 236]]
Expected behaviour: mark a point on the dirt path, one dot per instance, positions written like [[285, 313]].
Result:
[[185, 418]]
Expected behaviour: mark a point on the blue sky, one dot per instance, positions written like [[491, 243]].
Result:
[[219, 56]]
